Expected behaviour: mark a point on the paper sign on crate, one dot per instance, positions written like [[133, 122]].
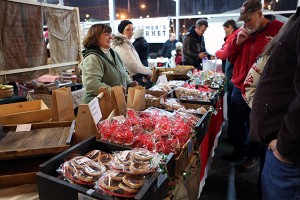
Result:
[[95, 110]]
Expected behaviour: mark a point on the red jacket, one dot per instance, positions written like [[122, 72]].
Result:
[[244, 56], [222, 53]]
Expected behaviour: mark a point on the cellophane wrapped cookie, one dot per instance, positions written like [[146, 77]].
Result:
[[81, 170]]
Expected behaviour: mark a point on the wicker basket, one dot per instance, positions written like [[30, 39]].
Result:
[[7, 91]]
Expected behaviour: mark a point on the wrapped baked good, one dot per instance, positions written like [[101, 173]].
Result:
[[173, 104], [136, 161], [126, 187], [81, 170], [100, 157]]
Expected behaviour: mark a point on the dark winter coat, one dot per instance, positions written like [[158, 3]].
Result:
[[142, 48], [276, 104], [168, 47], [193, 44]]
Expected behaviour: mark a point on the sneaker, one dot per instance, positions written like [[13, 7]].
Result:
[[249, 164]]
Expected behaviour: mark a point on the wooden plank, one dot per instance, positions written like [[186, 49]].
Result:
[[15, 71], [17, 179], [31, 2], [27, 117], [78, 34], [41, 125], [38, 141], [21, 107]]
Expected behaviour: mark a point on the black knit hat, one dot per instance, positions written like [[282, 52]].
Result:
[[122, 25]]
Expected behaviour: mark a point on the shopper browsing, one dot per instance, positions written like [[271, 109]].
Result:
[[141, 45], [275, 115], [243, 50], [122, 45], [194, 46], [169, 46]]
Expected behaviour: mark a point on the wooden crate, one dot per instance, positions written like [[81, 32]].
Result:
[[43, 138], [51, 187], [24, 112], [21, 153], [182, 160]]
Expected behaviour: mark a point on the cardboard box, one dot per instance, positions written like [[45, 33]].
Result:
[[24, 112], [52, 187]]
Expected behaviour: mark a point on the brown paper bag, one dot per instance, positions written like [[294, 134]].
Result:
[[62, 105], [113, 101], [136, 98], [118, 100], [105, 103]]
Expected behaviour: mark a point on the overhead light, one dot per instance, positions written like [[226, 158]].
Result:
[[199, 13]]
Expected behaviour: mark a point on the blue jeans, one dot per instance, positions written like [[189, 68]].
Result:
[[238, 126], [280, 180]]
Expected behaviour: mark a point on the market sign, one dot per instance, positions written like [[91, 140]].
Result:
[[156, 30]]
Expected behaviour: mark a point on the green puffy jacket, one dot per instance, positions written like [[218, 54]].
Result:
[[99, 71]]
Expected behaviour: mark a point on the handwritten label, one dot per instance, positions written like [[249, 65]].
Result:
[[85, 197], [95, 110], [124, 154], [82, 160], [23, 127]]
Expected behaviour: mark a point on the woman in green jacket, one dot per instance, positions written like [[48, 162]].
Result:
[[101, 66]]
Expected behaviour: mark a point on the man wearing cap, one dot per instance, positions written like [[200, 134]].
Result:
[[243, 51]]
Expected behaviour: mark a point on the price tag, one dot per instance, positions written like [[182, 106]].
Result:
[[95, 110], [82, 160], [124, 154], [215, 112], [161, 178], [190, 147], [162, 101], [23, 127], [85, 197]]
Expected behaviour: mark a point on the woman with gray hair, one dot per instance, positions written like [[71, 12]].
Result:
[[141, 45]]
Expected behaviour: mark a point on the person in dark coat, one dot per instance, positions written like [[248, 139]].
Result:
[[275, 115], [194, 46], [168, 46], [141, 45]]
